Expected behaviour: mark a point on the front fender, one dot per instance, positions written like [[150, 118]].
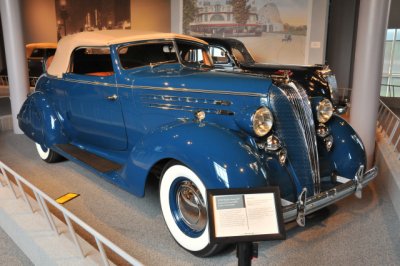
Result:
[[347, 153], [218, 156], [39, 121]]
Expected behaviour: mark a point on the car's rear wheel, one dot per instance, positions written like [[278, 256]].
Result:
[[48, 155], [184, 206]]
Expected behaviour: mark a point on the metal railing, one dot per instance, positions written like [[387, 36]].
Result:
[[43, 200], [4, 81], [389, 124]]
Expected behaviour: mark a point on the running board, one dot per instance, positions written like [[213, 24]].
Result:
[[98, 163]]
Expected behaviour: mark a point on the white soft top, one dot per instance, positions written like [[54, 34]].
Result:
[[66, 45]]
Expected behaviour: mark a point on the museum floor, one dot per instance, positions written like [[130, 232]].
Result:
[[356, 232]]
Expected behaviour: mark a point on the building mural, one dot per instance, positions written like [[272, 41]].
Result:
[[89, 15], [279, 24], [222, 18]]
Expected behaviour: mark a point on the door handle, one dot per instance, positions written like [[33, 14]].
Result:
[[112, 97]]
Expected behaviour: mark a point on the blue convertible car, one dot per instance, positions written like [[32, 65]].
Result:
[[134, 106]]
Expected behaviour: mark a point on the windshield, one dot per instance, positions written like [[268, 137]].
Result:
[[194, 54], [147, 54], [154, 54]]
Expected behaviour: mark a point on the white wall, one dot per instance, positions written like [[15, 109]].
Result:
[[317, 32]]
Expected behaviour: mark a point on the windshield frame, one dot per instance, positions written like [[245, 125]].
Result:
[[205, 51], [174, 42]]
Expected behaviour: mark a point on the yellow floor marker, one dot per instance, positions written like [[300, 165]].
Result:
[[67, 197]]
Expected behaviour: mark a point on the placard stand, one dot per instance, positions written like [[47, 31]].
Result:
[[243, 216], [245, 252]]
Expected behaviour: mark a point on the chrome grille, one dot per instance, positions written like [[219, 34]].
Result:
[[302, 109]]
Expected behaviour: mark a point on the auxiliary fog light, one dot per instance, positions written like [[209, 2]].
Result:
[[273, 143], [324, 110], [322, 131], [282, 155], [328, 142]]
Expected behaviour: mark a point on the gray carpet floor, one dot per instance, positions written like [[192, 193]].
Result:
[[351, 232], [10, 254]]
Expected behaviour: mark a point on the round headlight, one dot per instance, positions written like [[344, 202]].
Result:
[[262, 121], [324, 110]]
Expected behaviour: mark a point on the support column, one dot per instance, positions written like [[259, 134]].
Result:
[[15, 56], [371, 31]]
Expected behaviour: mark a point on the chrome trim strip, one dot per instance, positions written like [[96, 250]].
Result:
[[184, 99], [90, 82], [250, 94], [299, 99], [328, 197], [189, 108]]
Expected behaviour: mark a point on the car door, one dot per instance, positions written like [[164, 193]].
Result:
[[94, 111]]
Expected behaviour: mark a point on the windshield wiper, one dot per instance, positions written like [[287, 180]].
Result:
[[153, 65]]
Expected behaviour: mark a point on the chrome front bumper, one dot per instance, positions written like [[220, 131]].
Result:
[[304, 206]]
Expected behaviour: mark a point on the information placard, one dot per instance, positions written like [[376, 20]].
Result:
[[245, 215]]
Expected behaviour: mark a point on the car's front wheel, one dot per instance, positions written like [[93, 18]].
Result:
[[48, 155], [184, 206]]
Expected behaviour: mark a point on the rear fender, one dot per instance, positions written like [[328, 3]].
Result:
[[40, 122], [218, 156]]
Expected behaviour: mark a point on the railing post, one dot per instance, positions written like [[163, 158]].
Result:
[[102, 252], [73, 234], [21, 190], [385, 120], [396, 125], [44, 211], [49, 215], [2, 176], [397, 142], [9, 183], [388, 126]]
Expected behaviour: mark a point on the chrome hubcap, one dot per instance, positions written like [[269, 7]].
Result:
[[191, 206]]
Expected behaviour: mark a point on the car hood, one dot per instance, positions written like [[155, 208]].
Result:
[[184, 78]]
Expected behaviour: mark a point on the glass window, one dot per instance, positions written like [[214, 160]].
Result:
[[94, 61], [396, 58], [390, 34], [395, 81], [391, 64], [147, 54], [219, 56], [38, 52], [194, 54], [384, 86], [387, 58]]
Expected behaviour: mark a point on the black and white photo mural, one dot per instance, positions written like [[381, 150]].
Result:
[[90, 15], [278, 28]]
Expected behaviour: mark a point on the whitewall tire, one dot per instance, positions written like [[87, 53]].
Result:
[[184, 206], [47, 154]]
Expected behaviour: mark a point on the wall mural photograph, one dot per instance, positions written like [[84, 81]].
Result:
[[90, 15], [278, 28]]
